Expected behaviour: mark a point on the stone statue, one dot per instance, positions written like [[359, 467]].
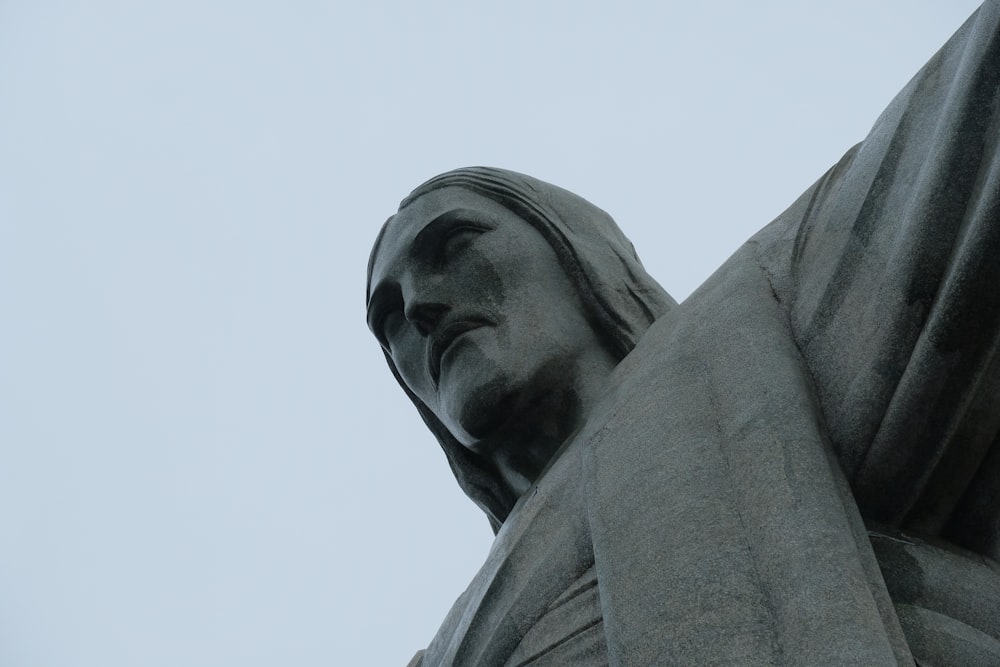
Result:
[[798, 465]]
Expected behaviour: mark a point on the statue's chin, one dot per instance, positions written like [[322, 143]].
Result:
[[484, 427], [476, 393], [491, 394], [488, 404], [482, 412]]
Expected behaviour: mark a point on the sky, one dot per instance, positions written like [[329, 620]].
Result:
[[204, 460]]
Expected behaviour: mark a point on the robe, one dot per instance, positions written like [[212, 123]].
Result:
[[800, 464]]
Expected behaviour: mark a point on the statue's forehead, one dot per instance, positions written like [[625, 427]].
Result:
[[409, 220], [402, 228], [428, 205]]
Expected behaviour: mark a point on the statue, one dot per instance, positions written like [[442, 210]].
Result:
[[799, 464]]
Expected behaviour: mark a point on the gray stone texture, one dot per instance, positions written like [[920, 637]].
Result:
[[799, 464]]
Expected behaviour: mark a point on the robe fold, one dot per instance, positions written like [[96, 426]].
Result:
[[800, 464]]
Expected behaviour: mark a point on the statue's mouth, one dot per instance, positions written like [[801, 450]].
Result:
[[442, 340]]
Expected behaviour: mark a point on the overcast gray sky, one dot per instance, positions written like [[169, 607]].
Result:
[[203, 459]]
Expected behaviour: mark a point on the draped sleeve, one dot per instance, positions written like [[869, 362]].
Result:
[[839, 372], [889, 268]]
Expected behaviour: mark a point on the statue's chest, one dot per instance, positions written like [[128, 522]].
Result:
[[535, 601]]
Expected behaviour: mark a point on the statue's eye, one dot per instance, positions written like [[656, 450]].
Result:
[[458, 239]]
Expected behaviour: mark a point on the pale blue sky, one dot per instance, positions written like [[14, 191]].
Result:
[[203, 459]]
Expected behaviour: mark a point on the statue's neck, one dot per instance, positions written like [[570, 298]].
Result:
[[524, 447]]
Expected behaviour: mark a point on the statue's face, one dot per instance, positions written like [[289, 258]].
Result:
[[473, 307]]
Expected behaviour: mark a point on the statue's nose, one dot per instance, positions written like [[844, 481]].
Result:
[[425, 316]]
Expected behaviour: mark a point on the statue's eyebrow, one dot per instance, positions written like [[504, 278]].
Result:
[[427, 240]]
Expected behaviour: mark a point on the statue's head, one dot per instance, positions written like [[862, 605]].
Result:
[[486, 290]]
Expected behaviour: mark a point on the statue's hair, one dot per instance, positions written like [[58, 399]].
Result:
[[621, 300]]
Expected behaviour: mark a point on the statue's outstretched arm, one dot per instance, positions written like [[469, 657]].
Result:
[[888, 270]]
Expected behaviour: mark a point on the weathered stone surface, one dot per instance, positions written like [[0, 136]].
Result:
[[800, 464]]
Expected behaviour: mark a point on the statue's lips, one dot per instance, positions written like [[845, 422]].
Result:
[[444, 339]]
